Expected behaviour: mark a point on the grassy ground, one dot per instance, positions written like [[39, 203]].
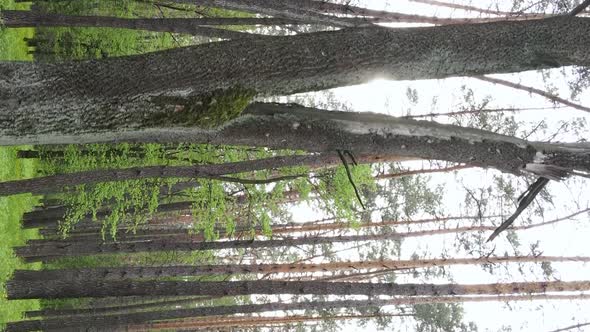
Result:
[[11, 211], [13, 47], [12, 44]]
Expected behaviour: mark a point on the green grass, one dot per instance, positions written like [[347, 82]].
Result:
[[11, 211], [12, 44]]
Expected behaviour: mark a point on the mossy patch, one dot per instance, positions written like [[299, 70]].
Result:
[[204, 111]]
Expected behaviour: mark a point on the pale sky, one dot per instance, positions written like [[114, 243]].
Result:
[[567, 238]]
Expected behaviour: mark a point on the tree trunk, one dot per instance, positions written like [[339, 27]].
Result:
[[53, 289], [54, 183], [277, 8], [120, 309], [297, 127], [554, 98], [310, 11], [193, 26], [37, 96], [467, 8], [147, 272], [250, 321], [43, 250], [143, 317], [50, 217]]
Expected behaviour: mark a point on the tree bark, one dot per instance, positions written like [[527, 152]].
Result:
[[50, 217], [142, 317], [159, 305], [147, 272], [300, 128], [193, 26], [320, 12], [277, 8], [252, 321], [44, 250], [55, 183], [52, 289], [71, 91], [531, 90]]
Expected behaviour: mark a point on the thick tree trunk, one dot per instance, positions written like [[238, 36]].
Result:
[[297, 127], [143, 317], [51, 289], [146, 272], [73, 91]]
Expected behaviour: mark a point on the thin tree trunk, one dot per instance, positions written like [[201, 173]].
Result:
[[50, 217], [466, 7], [571, 327], [44, 250], [193, 26], [479, 111], [324, 8], [421, 171], [160, 305], [252, 321], [55, 183], [532, 90], [143, 317], [52, 249], [147, 272]]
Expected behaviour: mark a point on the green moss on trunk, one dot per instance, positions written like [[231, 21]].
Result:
[[205, 111]]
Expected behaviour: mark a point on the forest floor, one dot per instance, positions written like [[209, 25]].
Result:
[[11, 234], [14, 47]]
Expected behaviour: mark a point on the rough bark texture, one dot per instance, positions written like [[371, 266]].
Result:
[[284, 65], [296, 127], [50, 289], [144, 272]]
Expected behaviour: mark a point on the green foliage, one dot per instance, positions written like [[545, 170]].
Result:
[[338, 195], [410, 195], [441, 317], [131, 203], [58, 44], [210, 206]]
